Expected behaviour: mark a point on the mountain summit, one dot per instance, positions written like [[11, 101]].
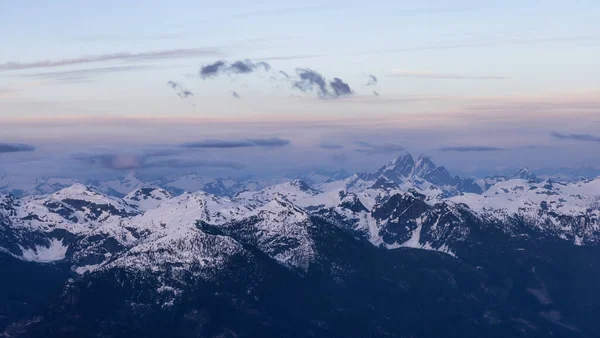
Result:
[[525, 174], [404, 168]]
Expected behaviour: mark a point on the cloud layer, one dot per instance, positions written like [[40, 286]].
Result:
[[142, 56], [15, 148], [381, 148], [244, 143], [576, 137], [470, 149], [149, 160]]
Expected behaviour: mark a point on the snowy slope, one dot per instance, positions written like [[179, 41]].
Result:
[[293, 191], [571, 211], [147, 198]]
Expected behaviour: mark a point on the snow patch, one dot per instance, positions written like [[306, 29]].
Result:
[[56, 251]]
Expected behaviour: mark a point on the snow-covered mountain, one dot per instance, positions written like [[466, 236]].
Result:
[[153, 236], [422, 173], [24, 186], [393, 207]]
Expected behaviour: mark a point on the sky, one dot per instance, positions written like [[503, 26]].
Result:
[[233, 87]]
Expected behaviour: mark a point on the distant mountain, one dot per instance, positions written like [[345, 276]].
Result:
[[405, 169], [524, 174]]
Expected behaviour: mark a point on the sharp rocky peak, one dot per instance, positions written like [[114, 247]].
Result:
[[423, 166], [403, 165], [525, 174]]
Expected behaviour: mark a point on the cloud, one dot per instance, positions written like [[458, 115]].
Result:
[[114, 161], [340, 88], [127, 38], [372, 80], [576, 137], [447, 76], [211, 70], [237, 67], [150, 159], [383, 148], [471, 149], [310, 80], [15, 148], [270, 142], [179, 89], [79, 75], [188, 163], [245, 143], [235, 94], [247, 66], [142, 56], [331, 146], [375, 93]]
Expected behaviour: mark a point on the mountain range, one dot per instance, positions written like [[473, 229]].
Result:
[[406, 251]]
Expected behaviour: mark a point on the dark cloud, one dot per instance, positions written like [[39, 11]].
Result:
[[310, 80], [237, 67], [143, 56], [179, 89], [245, 143], [247, 66], [211, 70], [576, 137], [328, 145], [372, 80], [471, 149], [340, 88], [383, 148], [15, 148], [235, 94]]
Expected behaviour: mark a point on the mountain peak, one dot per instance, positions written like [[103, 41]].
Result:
[[401, 166], [525, 174], [147, 197], [75, 189], [303, 186], [423, 166]]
